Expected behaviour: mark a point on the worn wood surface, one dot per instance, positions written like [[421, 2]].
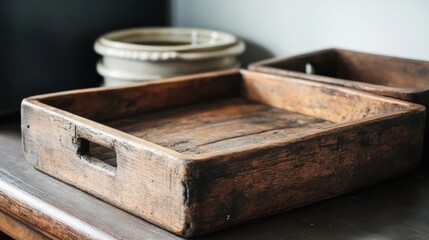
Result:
[[193, 161], [395, 77], [17, 229], [217, 126], [398, 209], [388, 76], [56, 209]]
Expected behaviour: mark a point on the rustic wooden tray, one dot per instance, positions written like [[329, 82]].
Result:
[[198, 153], [388, 76]]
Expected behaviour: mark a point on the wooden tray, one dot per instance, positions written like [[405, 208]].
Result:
[[199, 153], [388, 76]]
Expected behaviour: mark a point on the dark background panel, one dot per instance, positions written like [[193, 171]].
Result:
[[47, 45]]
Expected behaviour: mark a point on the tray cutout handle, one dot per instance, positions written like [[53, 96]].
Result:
[[309, 68], [100, 155]]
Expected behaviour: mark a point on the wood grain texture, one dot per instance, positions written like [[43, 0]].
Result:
[[217, 126], [212, 160], [58, 210], [396, 209], [122, 102], [388, 76], [394, 77], [18, 230]]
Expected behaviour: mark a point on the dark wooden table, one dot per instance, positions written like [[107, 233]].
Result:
[[36, 206]]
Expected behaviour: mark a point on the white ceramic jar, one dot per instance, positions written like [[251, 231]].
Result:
[[142, 54]]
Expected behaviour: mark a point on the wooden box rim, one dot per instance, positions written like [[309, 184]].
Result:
[[262, 66], [36, 102]]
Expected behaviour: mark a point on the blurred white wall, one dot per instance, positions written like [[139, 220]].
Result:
[[286, 27]]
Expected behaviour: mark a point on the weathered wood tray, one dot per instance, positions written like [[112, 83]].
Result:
[[388, 76], [199, 153]]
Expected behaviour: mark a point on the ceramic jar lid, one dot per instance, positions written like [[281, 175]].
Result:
[[168, 43]]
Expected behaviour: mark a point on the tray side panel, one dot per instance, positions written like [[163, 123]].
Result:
[[231, 189], [327, 102], [146, 181], [383, 70], [102, 104], [324, 60]]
